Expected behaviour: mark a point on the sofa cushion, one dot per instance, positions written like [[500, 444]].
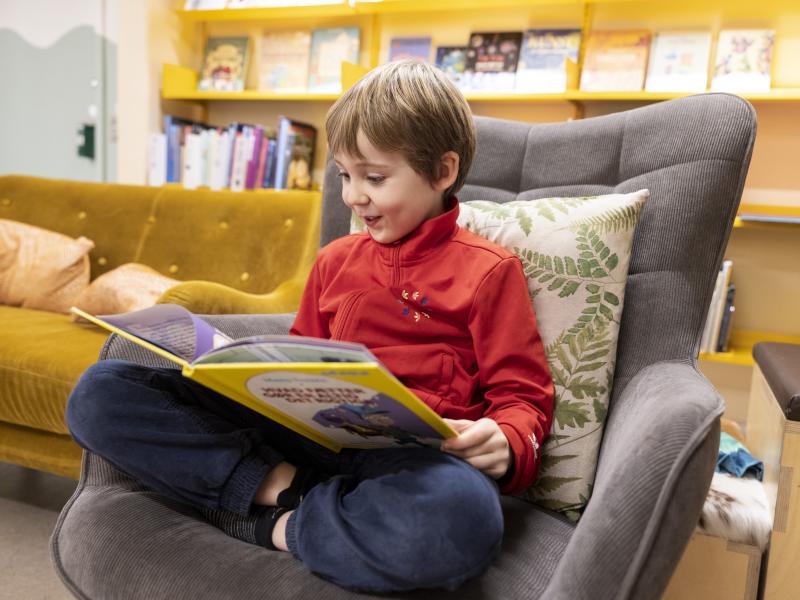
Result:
[[41, 269], [41, 358], [129, 287]]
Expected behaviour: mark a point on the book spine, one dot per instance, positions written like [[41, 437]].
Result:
[[262, 160], [705, 345], [727, 268], [280, 164], [269, 170], [252, 162], [727, 318]]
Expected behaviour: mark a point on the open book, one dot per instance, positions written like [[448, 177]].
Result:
[[334, 393]]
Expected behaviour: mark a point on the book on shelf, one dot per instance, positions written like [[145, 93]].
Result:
[[224, 64], [283, 65], [727, 319], [679, 62], [175, 131], [334, 393], [491, 62], [615, 61], [452, 60], [410, 47], [295, 154], [329, 48], [743, 60], [711, 330], [543, 60]]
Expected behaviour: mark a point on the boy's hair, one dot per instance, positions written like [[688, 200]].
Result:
[[407, 106]]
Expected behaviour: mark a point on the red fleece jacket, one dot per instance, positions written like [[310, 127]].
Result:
[[449, 314]]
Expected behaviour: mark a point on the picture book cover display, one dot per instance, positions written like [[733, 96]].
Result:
[[329, 48], [679, 62], [283, 65], [225, 64], [410, 47], [744, 60], [334, 393], [491, 62], [543, 59], [453, 61], [615, 61]]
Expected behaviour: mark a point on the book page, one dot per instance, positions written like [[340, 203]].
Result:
[[287, 349]]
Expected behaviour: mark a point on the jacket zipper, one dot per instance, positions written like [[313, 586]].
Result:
[[396, 267], [344, 311]]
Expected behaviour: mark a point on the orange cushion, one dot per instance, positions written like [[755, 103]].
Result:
[[41, 269]]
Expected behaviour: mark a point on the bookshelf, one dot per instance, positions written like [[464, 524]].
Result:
[[766, 234]]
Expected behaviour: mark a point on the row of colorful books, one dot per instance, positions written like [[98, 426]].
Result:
[[535, 61], [614, 61], [237, 157], [717, 330], [291, 61]]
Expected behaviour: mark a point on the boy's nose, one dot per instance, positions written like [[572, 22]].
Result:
[[354, 197]]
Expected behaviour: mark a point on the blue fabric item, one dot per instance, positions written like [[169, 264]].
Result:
[[735, 459], [382, 521]]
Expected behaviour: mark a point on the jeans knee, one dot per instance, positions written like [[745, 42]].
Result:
[[94, 401]]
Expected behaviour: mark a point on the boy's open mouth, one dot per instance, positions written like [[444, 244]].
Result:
[[370, 220]]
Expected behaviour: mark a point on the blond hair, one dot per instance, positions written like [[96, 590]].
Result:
[[409, 107]]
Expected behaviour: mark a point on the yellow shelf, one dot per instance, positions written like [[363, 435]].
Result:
[[741, 347], [180, 83], [791, 214]]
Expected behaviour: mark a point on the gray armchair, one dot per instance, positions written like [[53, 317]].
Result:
[[116, 539]]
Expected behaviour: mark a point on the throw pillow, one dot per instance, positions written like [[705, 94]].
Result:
[[575, 254], [41, 269], [131, 286]]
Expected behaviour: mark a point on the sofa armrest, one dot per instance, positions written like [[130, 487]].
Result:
[[235, 326], [209, 298], [656, 462]]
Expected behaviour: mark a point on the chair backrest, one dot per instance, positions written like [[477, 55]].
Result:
[[691, 153]]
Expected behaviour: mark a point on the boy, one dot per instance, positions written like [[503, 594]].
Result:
[[444, 310]]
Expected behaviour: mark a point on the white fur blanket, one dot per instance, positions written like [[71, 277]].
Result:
[[736, 509]]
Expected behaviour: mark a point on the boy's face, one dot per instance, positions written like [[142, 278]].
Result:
[[386, 193]]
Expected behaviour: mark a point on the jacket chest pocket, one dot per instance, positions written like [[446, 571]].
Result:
[[346, 315], [446, 372]]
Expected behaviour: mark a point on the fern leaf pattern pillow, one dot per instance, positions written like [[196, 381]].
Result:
[[575, 253]]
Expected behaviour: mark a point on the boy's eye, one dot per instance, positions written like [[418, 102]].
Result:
[[375, 178], [343, 175]]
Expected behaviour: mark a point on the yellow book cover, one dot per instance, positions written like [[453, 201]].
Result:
[[334, 393], [615, 61]]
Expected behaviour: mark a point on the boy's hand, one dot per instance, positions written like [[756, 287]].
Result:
[[482, 444]]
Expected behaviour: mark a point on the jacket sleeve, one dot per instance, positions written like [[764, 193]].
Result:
[[310, 321], [514, 377]]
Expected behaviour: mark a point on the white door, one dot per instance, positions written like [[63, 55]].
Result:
[[57, 82]]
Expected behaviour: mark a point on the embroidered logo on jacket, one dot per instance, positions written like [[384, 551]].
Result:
[[410, 312]]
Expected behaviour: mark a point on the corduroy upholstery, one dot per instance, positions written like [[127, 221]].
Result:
[[661, 438], [250, 253]]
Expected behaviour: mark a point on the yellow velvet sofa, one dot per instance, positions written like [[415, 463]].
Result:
[[233, 253]]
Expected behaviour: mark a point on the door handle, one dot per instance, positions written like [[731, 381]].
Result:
[[86, 141]]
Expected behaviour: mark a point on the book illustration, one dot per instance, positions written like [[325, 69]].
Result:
[[225, 64], [334, 393], [410, 47], [744, 60], [679, 62], [615, 61], [329, 48], [283, 63], [492, 59], [453, 61], [543, 59]]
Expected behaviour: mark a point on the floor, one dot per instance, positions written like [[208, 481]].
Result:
[[29, 505]]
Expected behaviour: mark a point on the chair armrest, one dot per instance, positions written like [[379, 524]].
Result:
[[235, 326], [209, 298], [656, 462]]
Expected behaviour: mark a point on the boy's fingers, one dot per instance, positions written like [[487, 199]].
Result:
[[474, 435]]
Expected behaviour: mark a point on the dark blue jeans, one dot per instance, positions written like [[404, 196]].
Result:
[[385, 520]]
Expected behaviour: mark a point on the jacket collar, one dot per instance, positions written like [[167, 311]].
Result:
[[426, 238]]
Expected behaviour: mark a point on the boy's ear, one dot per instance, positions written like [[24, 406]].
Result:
[[448, 171]]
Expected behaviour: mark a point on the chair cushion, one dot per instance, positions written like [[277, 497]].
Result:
[[98, 550], [575, 252], [41, 358]]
